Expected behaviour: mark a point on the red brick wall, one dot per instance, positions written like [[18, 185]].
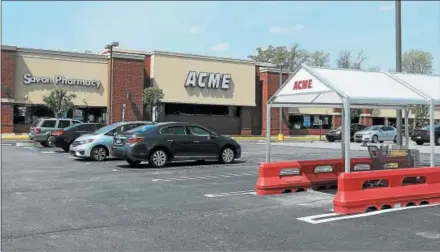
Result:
[[128, 75], [7, 82], [270, 84], [7, 118], [8, 71]]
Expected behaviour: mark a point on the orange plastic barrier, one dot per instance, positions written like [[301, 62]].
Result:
[[280, 177], [359, 192]]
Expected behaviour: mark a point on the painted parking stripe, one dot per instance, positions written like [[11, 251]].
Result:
[[216, 195], [329, 217], [225, 175]]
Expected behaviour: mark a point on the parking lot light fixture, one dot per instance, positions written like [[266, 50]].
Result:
[[110, 48]]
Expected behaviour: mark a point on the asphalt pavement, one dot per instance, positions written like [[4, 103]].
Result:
[[53, 202]]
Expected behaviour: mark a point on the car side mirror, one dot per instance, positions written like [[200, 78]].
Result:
[[213, 136]]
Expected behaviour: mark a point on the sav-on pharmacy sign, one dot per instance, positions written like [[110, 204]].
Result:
[[208, 80], [58, 79]]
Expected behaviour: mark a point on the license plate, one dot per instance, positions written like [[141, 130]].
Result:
[[118, 141], [419, 137]]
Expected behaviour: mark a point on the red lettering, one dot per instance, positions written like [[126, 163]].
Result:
[[302, 84]]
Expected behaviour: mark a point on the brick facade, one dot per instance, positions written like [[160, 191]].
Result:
[[128, 77], [7, 90], [269, 85]]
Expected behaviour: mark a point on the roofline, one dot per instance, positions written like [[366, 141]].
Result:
[[409, 86], [8, 48], [189, 55], [56, 52], [272, 69], [417, 74]]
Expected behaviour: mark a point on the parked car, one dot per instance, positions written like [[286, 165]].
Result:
[[62, 138], [376, 133], [41, 128], [336, 134], [165, 142], [421, 136], [96, 145]]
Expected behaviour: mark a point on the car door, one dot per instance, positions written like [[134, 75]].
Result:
[[201, 142], [176, 139], [391, 132]]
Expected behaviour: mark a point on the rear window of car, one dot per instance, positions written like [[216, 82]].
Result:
[[141, 129], [49, 124], [436, 127], [36, 122]]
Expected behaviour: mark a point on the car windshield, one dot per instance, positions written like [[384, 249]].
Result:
[[429, 127], [106, 128], [141, 129], [373, 128]]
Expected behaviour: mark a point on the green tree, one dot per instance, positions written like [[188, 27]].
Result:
[[418, 62], [293, 56], [152, 97], [59, 101], [318, 59], [346, 60]]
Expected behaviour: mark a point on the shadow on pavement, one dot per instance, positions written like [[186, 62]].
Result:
[[179, 164]]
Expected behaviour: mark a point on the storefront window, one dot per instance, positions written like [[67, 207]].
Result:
[[195, 109], [310, 121]]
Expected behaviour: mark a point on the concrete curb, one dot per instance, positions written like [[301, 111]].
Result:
[[16, 137], [274, 138]]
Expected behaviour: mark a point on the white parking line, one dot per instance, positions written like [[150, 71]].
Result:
[[226, 175], [335, 217], [216, 195]]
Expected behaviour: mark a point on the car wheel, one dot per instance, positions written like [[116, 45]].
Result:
[[419, 143], [227, 155], [133, 162], [375, 139], [395, 139], [99, 153], [66, 148], [158, 158], [331, 140], [437, 141], [44, 144]]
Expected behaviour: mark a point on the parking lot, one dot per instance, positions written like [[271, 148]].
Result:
[[53, 202]]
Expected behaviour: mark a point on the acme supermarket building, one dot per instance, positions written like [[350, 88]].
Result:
[[223, 94]]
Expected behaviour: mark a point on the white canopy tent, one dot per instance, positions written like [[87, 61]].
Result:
[[347, 89]]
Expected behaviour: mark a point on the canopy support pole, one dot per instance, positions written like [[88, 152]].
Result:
[[268, 122], [342, 133], [432, 132], [407, 128], [347, 122]]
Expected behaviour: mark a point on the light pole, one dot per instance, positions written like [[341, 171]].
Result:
[[110, 47], [283, 64], [398, 24]]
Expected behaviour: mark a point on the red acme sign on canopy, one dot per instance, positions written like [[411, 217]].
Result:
[[302, 84]]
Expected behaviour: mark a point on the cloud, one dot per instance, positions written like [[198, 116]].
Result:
[[286, 30], [196, 29], [386, 7], [220, 47]]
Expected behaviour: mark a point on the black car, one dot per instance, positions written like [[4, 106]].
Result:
[[336, 134], [164, 142], [421, 136], [64, 137]]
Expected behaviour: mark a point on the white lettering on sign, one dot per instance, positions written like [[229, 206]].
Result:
[[58, 79], [208, 80]]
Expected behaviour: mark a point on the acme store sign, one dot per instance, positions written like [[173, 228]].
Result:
[[58, 79], [208, 80]]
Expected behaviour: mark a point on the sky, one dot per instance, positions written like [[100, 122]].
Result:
[[226, 29]]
